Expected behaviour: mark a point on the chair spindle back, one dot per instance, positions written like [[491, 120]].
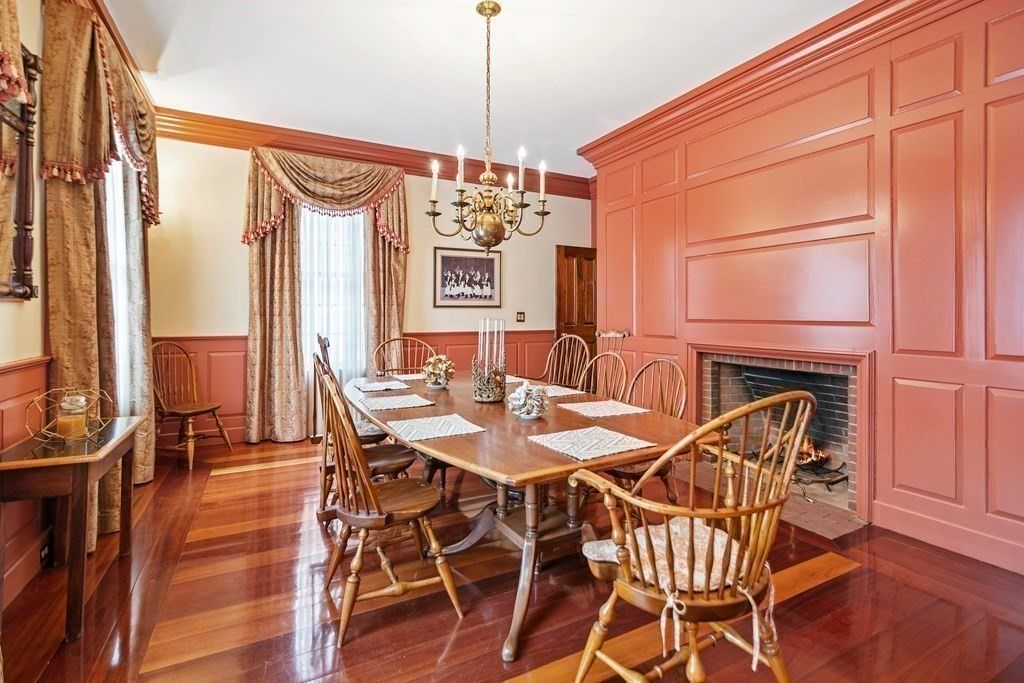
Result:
[[753, 450], [174, 375], [659, 385], [605, 375], [401, 355], [566, 361], [611, 340]]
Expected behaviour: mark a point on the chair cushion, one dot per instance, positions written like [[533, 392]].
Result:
[[369, 433], [190, 409], [604, 551]]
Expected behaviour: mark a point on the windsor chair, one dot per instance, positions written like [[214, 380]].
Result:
[[370, 507], [659, 385], [605, 375], [610, 340], [177, 397], [389, 461], [401, 355], [703, 562], [566, 360], [368, 433]]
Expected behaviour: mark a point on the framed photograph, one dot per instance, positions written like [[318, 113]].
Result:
[[466, 278]]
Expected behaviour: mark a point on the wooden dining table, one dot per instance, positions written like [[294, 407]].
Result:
[[504, 454]]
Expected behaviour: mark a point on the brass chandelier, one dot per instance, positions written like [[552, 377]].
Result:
[[490, 215]]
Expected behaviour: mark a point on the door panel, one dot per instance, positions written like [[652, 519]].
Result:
[[576, 292]]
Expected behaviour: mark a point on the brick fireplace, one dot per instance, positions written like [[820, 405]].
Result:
[[729, 381]]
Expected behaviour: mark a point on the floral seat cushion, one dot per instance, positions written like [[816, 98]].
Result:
[[604, 551]]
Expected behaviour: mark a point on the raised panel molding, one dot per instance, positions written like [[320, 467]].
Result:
[[928, 74], [659, 169], [1004, 47], [812, 282], [828, 186], [619, 184], [658, 259], [926, 234], [810, 116], [619, 248], [1005, 236], [926, 438], [1005, 466]]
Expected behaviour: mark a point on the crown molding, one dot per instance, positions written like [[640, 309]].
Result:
[[859, 28], [224, 132]]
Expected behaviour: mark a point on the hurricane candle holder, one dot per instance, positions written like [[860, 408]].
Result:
[[489, 362]]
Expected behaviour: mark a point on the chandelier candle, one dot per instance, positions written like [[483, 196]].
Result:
[[490, 214], [489, 361]]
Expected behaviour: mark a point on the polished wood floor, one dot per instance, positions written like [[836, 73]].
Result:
[[225, 583]]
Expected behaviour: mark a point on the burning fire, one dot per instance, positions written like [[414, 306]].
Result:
[[809, 454]]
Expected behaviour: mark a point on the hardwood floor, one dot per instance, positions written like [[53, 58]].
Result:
[[225, 583]]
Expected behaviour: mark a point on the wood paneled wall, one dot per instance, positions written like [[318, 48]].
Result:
[[25, 528], [871, 203]]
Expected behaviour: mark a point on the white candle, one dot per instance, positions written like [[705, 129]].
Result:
[[458, 180], [434, 168], [461, 154], [511, 183], [543, 168], [522, 166], [487, 343]]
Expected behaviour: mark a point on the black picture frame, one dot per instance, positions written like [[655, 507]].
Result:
[[467, 278]]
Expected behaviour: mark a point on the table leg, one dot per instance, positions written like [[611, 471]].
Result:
[[76, 552], [511, 647], [483, 524], [572, 505], [127, 482]]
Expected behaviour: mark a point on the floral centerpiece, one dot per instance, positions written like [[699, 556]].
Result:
[[528, 402], [438, 371]]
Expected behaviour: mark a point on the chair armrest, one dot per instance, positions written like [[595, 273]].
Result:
[[596, 481]]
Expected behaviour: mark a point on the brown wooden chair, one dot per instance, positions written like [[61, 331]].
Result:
[[388, 461], [177, 396], [704, 562], [605, 375], [401, 356], [369, 507], [566, 360], [368, 433], [660, 386], [610, 340]]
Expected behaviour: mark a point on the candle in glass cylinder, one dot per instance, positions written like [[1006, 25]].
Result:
[[72, 417]]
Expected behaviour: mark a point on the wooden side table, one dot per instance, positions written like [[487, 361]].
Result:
[[34, 469]]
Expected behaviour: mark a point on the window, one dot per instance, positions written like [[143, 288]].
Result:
[[331, 262], [117, 255]]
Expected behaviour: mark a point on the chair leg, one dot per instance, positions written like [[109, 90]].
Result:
[[441, 562], [223, 432], [444, 478], [694, 667], [597, 635], [670, 489], [417, 538], [351, 587], [772, 652], [429, 468], [337, 554], [190, 441]]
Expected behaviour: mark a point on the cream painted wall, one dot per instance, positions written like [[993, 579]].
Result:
[[26, 318], [199, 268]]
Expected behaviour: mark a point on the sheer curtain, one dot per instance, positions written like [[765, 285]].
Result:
[[331, 251], [117, 254]]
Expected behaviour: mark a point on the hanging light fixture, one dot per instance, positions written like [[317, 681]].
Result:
[[490, 215]]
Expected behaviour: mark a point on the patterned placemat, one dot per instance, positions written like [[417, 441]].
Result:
[[387, 385], [414, 377], [395, 402], [512, 379], [590, 442], [439, 426], [554, 391], [602, 408]]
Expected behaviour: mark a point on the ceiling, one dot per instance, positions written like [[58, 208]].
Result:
[[410, 72]]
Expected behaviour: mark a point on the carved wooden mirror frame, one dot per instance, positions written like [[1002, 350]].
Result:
[[20, 285]]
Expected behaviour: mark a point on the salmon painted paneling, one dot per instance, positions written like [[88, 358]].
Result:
[[526, 351], [926, 236], [827, 281], [25, 530], [865, 202], [828, 186]]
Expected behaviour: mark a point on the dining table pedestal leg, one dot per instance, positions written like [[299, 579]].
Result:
[[526, 570]]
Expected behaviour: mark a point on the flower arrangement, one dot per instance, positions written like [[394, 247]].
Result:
[[438, 371], [528, 402]]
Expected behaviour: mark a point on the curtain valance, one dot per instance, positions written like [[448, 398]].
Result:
[[328, 186], [95, 98]]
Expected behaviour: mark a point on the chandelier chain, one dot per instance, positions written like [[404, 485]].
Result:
[[487, 118]]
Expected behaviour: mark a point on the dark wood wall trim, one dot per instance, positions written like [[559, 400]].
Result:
[[224, 132], [861, 27]]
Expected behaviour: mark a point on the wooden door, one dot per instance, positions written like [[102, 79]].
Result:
[[576, 292]]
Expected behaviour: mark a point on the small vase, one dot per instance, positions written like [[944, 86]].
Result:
[[437, 386], [526, 417]]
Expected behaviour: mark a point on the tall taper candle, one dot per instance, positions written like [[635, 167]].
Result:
[[434, 168], [461, 174], [543, 169], [522, 167]]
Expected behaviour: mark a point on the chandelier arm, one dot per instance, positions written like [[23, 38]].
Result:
[[543, 214]]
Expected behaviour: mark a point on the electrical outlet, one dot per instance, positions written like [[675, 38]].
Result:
[[520, 317]]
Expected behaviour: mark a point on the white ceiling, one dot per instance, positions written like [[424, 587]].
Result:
[[410, 72]]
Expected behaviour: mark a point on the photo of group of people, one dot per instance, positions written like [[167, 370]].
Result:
[[464, 277]]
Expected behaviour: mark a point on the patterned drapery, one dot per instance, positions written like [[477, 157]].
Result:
[[280, 183], [78, 123]]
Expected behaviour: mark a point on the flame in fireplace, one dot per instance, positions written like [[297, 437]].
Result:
[[809, 454]]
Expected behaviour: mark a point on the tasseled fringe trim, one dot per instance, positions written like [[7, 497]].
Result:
[[274, 222], [75, 173], [13, 85], [8, 164]]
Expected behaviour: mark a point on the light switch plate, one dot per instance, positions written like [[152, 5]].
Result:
[[520, 317]]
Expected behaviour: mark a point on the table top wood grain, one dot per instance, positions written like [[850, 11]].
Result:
[[32, 453], [503, 452]]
